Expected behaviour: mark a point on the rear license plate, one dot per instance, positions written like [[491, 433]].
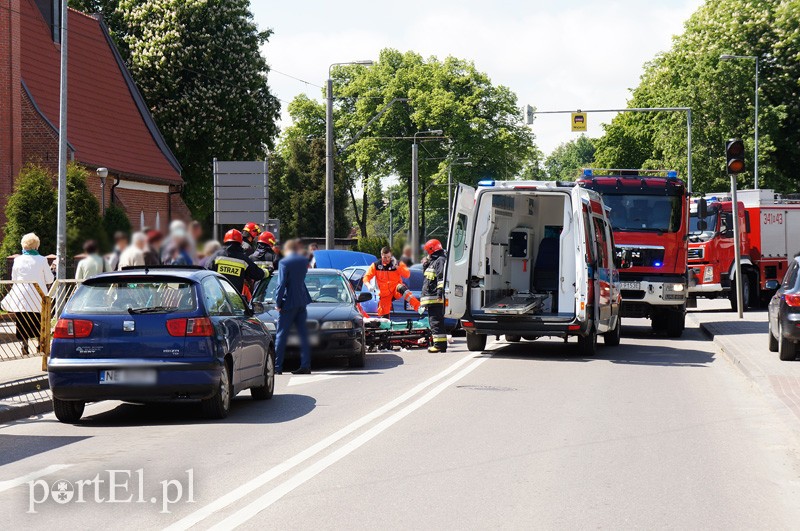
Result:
[[630, 285], [129, 377]]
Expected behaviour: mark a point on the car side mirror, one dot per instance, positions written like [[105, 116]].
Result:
[[257, 307], [772, 285], [364, 297]]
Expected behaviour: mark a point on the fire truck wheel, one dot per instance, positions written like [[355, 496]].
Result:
[[746, 292], [513, 338], [658, 321], [787, 350], [773, 342], [675, 324]]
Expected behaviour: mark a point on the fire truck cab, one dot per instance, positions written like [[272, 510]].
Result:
[[649, 216]]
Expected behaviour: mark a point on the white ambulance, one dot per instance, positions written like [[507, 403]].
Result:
[[528, 259]]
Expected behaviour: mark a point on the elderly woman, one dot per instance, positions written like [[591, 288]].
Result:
[[24, 300]]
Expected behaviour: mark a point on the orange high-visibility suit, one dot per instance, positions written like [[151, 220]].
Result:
[[388, 278]]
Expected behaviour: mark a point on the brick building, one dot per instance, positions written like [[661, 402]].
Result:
[[109, 124]]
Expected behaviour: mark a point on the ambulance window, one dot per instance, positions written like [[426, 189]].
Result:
[[602, 242], [459, 237], [588, 234]]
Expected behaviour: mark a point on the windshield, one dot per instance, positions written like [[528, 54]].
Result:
[[131, 296], [644, 212], [324, 288], [711, 222]]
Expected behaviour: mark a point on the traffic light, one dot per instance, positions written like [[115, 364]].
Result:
[[734, 154]]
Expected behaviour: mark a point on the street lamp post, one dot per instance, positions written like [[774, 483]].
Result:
[[391, 220], [329, 163], [102, 173], [414, 222], [729, 57]]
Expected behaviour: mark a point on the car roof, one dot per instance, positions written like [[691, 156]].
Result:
[[340, 259], [188, 273]]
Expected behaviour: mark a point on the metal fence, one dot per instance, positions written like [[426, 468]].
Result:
[[28, 315]]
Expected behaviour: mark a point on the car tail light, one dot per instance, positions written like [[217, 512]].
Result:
[[467, 324], [197, 327], [792, 299], [72, 328]]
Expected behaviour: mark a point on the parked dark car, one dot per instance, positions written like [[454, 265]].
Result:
[[784, 313], [401, 310], [156, 334], [335, 325]]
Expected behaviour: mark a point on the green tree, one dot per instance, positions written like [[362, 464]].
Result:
[[115, 220], [721, 96], [83, 212], [31, 208], [199, 66], [567, 159]]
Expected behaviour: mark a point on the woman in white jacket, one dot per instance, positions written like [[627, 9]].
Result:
[[24, 300]]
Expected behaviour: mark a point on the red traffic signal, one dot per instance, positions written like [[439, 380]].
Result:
[[734, 155]]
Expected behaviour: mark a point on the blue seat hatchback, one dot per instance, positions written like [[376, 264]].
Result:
[[158, 334]]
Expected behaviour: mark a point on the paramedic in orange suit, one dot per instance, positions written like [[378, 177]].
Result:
[[388, 274]]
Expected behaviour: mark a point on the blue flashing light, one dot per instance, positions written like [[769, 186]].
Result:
[[672, 174], [486, 182], [587, 172], [657, 264], [714, 199]]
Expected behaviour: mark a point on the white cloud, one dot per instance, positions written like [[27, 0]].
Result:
[[575, 54]]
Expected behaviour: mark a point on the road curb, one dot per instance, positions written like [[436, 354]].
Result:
[[730, 356], [25, 404]]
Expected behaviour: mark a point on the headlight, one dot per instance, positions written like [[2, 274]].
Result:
[[708, 275], [337, 325], [677, 287], [270, 326]]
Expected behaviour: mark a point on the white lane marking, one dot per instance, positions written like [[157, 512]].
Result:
[[11, 483], [264, 478], [252, 509], [300, 380]]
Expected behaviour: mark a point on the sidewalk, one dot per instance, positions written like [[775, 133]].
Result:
[[744, 344], [23, 389]]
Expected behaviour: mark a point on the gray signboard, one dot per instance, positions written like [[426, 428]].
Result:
[[241, 192]]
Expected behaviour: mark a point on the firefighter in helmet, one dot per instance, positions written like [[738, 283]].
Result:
[[388, 275], [232, 262], [250, 234], [432, 296], [264, 256]]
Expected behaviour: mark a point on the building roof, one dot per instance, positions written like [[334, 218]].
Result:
[[109, 123]]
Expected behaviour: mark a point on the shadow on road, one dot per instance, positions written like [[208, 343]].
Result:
[[244, 410], [16, 447]]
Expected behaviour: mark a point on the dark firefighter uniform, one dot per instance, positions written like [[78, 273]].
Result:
[[432, 296], [265, 257], [232, 262]]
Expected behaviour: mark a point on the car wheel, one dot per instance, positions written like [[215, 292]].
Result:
[[476, 342], [773, 342], [612, 337], [265, 392], [513, 338], [787, 350], [587, 345], [68, 411], [359, 361], [219, 405], [675, 324]]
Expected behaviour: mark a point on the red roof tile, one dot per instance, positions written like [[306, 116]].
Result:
[[108, 122]]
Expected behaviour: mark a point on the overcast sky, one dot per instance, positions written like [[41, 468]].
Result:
[[555, 54]]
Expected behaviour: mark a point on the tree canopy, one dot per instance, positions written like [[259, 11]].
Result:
[[721, 95], [567, 159]]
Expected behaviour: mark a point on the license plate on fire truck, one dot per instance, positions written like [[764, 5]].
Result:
[[630, 285]]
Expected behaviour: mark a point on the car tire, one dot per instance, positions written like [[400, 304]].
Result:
[[587, 345], [676, 324], [511, 338], [476, 342], [787, 350], [219, 405], [359, 361], [68, 411], [265, 392], [773, 341], [612, 337]]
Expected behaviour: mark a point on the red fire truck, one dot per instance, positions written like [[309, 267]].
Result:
[[649, 215], [766, 222]]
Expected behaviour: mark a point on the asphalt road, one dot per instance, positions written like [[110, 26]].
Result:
[[653, 433]]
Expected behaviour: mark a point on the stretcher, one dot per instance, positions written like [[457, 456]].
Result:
[[518, 304], [385, 334]]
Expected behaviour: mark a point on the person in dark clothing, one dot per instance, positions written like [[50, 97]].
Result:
[[432, 296], [250, 234], [232, 262], [276, 249], [152, 256], [407, 259], [264, 255], [291, 300]]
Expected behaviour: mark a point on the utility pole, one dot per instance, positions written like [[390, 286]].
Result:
[[391, 220], [61, 232], [414, 222]]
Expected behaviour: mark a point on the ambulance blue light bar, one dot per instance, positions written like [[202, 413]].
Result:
[[486, 182]]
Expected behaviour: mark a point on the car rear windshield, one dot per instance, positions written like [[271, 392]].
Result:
[[324, 288], [133, 296]]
